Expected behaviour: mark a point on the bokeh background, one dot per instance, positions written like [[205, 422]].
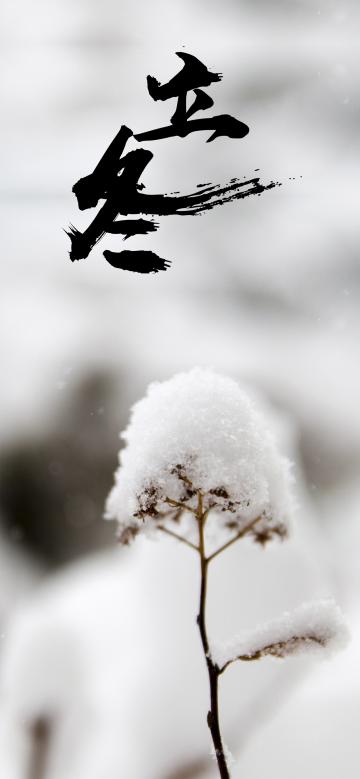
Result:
[[101, 674]]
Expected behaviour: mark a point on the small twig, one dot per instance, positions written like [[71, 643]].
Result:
[[178, 537], [232, 541], [186, 480], [177, 516], [279, 649], [178, 505]]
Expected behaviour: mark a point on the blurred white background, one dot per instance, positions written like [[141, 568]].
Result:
[[98, 644]]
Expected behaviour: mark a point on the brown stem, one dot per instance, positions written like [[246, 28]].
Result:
[[279, 649], [40, 734], [179, 505], [178, 537], [213, 669], [239, 535]]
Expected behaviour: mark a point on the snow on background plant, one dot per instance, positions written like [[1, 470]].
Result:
[[200, 457]]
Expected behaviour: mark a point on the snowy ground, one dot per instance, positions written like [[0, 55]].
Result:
[[266, 290]]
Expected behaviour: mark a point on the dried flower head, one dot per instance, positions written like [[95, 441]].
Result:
[[199, 433], [313, 626]]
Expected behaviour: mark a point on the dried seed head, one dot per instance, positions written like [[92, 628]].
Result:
[[200, 433]]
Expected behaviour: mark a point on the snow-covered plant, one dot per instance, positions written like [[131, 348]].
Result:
[[202, 466]]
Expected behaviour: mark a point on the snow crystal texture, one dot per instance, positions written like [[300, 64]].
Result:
[[199, 431], [311, 627]]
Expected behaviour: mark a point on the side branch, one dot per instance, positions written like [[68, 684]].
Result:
[[179, 505], [178, 537], [232, 541], [279, 649]]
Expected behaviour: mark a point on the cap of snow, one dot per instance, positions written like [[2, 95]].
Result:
[[313, 626], [200, 432]]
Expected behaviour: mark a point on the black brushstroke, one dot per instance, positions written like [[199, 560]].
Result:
[[90, 189], [130, 227], [224, 195], [119, 191], [137, 261], [194, 74], [201, 103], [115, 179], [222, 125], [200, 201], [124, 199]]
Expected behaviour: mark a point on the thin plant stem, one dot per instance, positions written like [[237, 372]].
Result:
[[278, 649], [232, 541], [178, 537], [179, 505], [213, 669]]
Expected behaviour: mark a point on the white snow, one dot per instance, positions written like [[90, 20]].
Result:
[[100, 642], [199, 431], [229, 757], [313, 626]]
